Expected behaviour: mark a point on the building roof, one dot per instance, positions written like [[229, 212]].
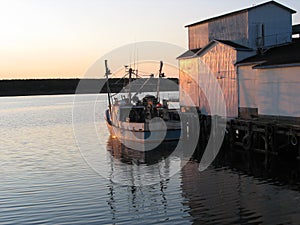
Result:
[[231, 44], [296, 29], [197, 52], [189, 54], [282, 55], [234, 45], [241, 11]]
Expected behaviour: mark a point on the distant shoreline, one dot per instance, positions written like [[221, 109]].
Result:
[[69, 86]]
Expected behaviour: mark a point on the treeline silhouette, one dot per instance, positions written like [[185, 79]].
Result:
[[81, 86]]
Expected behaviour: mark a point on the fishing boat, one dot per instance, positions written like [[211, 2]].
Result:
[[141, 124]]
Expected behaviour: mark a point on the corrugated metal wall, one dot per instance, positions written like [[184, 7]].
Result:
[[219, 63], [221, 59], [188, 75], [234, 28], [198, 36]]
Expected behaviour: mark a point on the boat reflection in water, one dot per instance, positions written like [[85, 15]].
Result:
[[235, 189], [131, 156], [139, 168]]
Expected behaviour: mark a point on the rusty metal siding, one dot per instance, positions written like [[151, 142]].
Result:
[[255, 28], [198, 36], [220, 60], [234, 28]]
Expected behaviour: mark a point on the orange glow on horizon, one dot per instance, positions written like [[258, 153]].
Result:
[[62, 39]]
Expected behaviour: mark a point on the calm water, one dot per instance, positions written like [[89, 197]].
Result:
[[49, 177]]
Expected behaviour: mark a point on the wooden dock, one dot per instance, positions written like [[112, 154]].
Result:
[[271, 138]]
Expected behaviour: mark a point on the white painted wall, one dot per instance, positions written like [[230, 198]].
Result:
[[247, 86], [277, 25], [278, 91], [274, 91]]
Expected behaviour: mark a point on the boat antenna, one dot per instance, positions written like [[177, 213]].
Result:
[[107, 73], [160, 74]]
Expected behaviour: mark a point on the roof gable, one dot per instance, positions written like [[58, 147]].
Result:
[[204, 50], [188, 54], [241, 11], [234, 45], [201, 51], [230, 44]]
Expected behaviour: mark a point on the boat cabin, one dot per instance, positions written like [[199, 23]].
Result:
[[143, 110]]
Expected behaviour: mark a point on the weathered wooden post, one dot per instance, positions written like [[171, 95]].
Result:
[[266, 138]]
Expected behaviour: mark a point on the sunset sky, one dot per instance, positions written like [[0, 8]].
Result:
[[62, 38]]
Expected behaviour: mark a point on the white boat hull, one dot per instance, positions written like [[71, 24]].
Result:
[[145, 140]]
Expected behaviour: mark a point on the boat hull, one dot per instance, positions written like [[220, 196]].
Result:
[[144, 140]]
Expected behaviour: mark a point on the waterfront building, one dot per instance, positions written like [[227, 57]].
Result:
[[253, 57]]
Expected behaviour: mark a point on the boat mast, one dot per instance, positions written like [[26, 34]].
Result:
[[129, 84], [160, 74], [107, 73]]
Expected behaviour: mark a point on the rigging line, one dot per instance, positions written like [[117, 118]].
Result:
[[129, 59], [137, 76], [121, 78], [137, 56], [142, 87], [145, 73], [134, 56]]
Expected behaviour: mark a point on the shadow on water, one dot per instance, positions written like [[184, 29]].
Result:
[[238, 188], [281, 171]]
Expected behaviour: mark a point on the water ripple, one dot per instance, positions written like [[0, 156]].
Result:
[[45, 180]]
